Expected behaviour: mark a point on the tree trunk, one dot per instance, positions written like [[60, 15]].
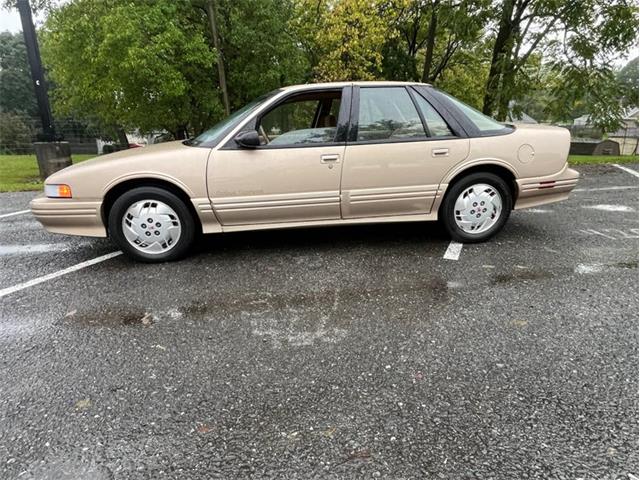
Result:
[[123, 141], [499, 59], [181, 133], [431, 41], [222, 78], [502, 102]]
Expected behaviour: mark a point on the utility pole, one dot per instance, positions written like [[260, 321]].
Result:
[[52, 154], [37, 74], [211, 13]]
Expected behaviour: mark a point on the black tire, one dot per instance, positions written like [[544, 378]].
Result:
[[187, 224], [447, 210]]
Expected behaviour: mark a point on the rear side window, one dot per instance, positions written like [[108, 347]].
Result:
[[388, 114], [435, 123]]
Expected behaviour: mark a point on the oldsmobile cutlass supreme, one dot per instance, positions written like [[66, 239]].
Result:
[[314, 155]]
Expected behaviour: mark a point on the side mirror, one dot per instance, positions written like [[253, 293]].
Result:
[[249, 139]]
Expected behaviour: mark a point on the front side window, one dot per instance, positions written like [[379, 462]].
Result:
[[388, 114], [212, 136], [308, 118]]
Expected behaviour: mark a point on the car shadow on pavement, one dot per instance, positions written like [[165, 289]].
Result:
[[333, 237]]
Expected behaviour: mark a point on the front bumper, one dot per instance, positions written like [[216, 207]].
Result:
[[534, 191], [69, 216]]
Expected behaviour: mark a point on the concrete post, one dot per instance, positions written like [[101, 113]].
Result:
[[52, 156]]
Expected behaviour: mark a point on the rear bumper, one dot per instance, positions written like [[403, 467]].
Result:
[[69, 216], [536, 191]]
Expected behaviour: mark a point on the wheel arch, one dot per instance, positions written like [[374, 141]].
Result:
[[116, 190], [500, 169]]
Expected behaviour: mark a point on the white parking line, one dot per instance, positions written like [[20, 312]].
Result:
[[13, 214], [453, 251], [628, 170], [45, 278]]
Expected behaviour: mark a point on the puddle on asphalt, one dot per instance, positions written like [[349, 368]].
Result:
[[110, 317], [321, 311], [632, 264], [313, 305], [520, 275], [588, 268], [581, 268], [66, 467], [435, 290]]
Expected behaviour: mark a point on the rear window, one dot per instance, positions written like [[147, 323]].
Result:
[[481, 121]]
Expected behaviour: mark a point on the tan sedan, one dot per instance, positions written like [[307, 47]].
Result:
[[313, 155]]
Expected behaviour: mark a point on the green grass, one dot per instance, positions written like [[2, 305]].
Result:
[[589, 159], [20, 172]]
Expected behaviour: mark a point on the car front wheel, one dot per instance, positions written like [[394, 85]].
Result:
[[476, 207], [151, 224]]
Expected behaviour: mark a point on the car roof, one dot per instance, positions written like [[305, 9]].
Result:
[[376, 83]]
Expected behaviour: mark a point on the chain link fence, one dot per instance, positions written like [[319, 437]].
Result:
[[590, 140], [18, 131]]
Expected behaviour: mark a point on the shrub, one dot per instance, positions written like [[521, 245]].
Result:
[[16, 133]]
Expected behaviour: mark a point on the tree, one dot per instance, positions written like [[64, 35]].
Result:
[[582, 36], [36, 5], [307, 20], [344, 39], [465, 75], [222, 76], [16, 133], [157, 64], [210, 7], [627, 78], [260, 49], [16, 90], [435, 33], [146, 65]]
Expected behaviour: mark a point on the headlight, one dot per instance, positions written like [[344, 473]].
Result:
[[57, 191]]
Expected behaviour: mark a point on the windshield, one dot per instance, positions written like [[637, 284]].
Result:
[[216, 133]]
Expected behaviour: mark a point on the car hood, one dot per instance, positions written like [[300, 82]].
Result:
[[125, 155], [172, 162]]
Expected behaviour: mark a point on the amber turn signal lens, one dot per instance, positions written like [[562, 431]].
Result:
[[57, 191]]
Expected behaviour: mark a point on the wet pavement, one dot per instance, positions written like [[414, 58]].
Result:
[[348, 352]]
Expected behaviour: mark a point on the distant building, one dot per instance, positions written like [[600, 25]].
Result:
[[627, 135], [521, 117], [587, 139], [582, 121]]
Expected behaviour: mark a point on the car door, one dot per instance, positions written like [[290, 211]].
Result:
[[294, 175], [398, 150]]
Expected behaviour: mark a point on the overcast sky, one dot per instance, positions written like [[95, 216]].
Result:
[[10, 20]]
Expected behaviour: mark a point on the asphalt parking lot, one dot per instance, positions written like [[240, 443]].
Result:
[[330, 353]]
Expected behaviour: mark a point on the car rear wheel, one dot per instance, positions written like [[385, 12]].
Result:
[[151, 224], [476, 207]]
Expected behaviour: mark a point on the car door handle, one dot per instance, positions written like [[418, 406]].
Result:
[[440, 152], [330, 158]]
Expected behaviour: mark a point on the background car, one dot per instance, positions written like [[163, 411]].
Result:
[[311, 155]]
